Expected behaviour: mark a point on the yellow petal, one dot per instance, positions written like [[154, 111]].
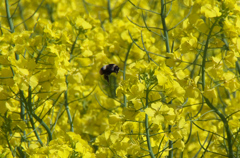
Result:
[[33, 81], [150, 111]]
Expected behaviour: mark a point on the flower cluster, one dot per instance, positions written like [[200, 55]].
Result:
[[176, 93]]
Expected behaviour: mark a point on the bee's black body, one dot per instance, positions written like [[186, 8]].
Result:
[[108, 69]]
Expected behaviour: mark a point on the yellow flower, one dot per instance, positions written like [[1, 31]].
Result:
[[231, 59], [81, 23], [210, 11], [188, 43], [210, 93]]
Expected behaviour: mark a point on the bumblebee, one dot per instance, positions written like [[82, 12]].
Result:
[[106, 70]]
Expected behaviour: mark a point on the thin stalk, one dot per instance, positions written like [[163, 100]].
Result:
[[21, 153], [12, 30], [124, 72], [196, 155], [237, 67], [224, 120], [10, 147], [170, 145], [22, 17], [50, 12], [143, 8], [147, 129], [166, 38], [85, 6], [190, 133], [109, 11], [205, 54], [205, 150], [73, 46], [22, 113], [40, 53], [44, 126], [65, 93], [9, 17], [67, 108], [29, 105], [165, 30], [31, 15]]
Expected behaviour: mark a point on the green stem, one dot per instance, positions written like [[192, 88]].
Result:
[[40, 53], [9, 17], [109, 11], [165, 30], [147, 129], [170, 145], [22, 113], [21, 153], [166, 38], [124, 71], [205, 54], [10, 147], [22, 17], [31, 15], [224, 120], [237, 67], [50, 12], [205, 150], [12, 30], [67, 108], [29, 105], [73, 46], [44, 125], [85, 6]]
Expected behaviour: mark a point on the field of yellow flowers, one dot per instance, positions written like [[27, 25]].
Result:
[[177, 93]]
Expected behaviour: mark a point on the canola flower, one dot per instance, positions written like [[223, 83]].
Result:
[[176, 93]]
